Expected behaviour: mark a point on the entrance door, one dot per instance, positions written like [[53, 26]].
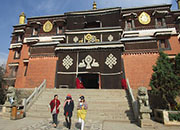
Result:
[[90, 81]]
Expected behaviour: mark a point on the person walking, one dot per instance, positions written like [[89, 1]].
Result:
[[82, 111], [68, 110], [55, 105]]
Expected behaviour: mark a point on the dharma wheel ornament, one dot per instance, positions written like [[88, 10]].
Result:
[[88, 37], [144, 18], [47, 27], [91, 38]]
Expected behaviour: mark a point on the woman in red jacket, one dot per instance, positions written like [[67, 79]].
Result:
[[55, 105]]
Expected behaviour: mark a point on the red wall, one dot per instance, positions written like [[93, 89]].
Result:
[[40, 69], [138, 68]]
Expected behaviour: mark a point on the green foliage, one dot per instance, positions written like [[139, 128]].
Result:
[[2, 89], [177, 107], [177, 64], [164, 81], [173, 116]]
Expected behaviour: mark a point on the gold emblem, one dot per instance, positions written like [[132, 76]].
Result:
[[47, 27], [88, 37], [144, 18]]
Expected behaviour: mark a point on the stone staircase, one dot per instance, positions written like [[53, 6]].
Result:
[[105, 104]]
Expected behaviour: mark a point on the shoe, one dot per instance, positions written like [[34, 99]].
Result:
[[54, 125]]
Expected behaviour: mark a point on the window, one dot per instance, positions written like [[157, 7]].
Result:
[[26, 68], [19, 38], [95, 24], [160, 22], [129, 25], [35, 32], [29, 51], [59, 30], [17, 54], [164, 44], [14, 70]]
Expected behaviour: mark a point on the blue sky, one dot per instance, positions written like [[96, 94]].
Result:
[[10, 10]]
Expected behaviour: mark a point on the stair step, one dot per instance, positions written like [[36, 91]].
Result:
[[89, 116], [104, 104]]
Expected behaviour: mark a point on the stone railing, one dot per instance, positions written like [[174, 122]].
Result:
[[29, 101], [162, 116], [133, 101], [1, 107]]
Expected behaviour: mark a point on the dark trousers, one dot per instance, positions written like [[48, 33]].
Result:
[[68, 122], [54, 116]]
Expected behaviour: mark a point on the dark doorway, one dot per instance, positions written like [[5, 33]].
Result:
[[90, 81]]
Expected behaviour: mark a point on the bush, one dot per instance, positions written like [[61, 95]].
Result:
[[2, 95], [177, 64], [176, 107], [173, 116], [164, 82], [2, 84]]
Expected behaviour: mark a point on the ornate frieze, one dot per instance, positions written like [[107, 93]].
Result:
[[75, 39], [110, 38], [88, 62], [67, 62], [91, 38], [111, 60]]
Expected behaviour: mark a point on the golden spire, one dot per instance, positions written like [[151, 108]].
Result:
[[178, 2], [94, 5], [22, 18]]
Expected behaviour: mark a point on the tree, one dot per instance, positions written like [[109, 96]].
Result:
[[164, 82], [177, 64], [2, 83]]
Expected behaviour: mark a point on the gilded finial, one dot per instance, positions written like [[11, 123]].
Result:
[[22, 18], [178, 3], [94, 5]]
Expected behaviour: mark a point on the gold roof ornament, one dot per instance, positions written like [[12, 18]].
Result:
[[178, 3], [22, 18], [94, 5]]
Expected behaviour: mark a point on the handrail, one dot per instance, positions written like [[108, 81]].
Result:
[[133, 101], [29, 101]]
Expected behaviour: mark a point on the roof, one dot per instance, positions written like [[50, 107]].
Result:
[[45, 16], [99, 11], [93, 11], [147, 7]]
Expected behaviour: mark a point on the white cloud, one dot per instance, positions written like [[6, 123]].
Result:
[[3, 58], [131, 3]]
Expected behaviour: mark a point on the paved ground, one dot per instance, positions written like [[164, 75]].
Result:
[[109, 125], [45, 124]]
